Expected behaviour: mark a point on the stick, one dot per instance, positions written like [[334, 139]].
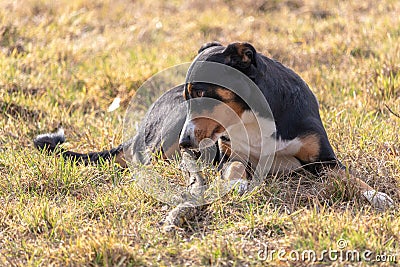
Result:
[[391, 111], [192, 198]]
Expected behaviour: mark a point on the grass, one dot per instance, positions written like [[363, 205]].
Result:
[[65, 61]]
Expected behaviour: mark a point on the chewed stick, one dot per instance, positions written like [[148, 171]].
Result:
[[192, 198]]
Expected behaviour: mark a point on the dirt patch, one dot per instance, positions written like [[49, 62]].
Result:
[[18, 111], [31, 91]]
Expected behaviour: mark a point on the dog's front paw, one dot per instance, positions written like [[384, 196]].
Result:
[[235, 174], [378, 200], [241, 185]]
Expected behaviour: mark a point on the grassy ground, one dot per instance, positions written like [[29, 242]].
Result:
[[65, 62]]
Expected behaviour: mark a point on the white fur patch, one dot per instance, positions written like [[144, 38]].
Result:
[[288, 147], [253, 136], [59, 134], [240, 184], [378, 200]]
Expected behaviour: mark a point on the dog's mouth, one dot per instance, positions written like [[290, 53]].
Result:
[[225, 138], [205, 145], [217, 133], [193, 152]]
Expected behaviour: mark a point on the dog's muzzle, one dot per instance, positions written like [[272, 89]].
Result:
[[187, 138]]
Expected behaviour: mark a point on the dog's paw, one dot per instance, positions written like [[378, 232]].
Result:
[[240, 185], [235, 174], [378, 200]]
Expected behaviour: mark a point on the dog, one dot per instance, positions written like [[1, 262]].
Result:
[[286, 135]]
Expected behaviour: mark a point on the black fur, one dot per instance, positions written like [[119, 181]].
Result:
[[50, 142], [293, 105], [208, 45], [159, 130], [161, 126]]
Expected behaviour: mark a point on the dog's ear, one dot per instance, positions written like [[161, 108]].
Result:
[[208, 45], [240, 55]]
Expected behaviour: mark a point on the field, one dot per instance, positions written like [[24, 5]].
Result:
[[64, 62]]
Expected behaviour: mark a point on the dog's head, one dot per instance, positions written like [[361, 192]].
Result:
[[212, 106]]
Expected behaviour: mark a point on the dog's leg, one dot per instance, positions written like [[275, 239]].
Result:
[[316, 148], [377, 199], [233, 170], [235, 173]]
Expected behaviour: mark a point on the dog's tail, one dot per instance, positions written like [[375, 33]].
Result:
[[51, 142]]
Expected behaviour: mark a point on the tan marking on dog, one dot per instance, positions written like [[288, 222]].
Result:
[[228, 98], [189, 90], [225, 94], [241, 48], [120, 159], [205, 128], [310, 148], [236, 107], [211, 123], [225, 148]]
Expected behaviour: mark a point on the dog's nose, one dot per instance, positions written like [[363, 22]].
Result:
[[185, 141]]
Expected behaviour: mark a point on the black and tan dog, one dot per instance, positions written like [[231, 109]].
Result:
[[292, 123]]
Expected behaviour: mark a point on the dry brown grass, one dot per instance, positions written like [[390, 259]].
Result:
[[65, 61]]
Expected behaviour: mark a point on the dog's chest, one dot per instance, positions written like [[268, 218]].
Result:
[[253, 136]]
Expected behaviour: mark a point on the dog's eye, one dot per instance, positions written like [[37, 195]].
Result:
[[249, 54], [199, 93]]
